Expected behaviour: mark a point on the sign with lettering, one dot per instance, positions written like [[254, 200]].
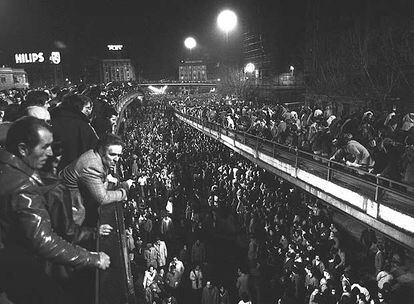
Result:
[[29, 57], [115, 47], [38, 57]]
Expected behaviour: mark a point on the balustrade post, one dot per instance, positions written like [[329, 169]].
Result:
[[296, 158], [377, 189], [328, 176]]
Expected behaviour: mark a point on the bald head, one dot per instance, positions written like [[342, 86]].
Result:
[[38, 112]]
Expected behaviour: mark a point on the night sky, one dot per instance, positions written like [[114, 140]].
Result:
[[151, 31]]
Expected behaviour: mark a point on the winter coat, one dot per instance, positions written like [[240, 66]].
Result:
[[408, 165], [198, 254], [86, 179], [210, 295], [162, 253], [27, 239], [196, 278], [74, 132], [150, 256], [24, 220]]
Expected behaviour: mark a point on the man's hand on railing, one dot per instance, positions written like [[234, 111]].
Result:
[[104, 261], [354, 164]]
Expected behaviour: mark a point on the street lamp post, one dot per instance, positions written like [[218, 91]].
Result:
[[190, 43], [292, 69], [227, 22]]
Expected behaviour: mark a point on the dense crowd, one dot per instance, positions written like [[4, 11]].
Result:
[[198, 188], [202, 223], [57, 148], [381, 143]]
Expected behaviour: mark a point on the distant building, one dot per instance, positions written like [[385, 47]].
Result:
[[254, 52], [45, 75], [192, 70], [117, 70], [13, 78], [44, 68], [91, 70]]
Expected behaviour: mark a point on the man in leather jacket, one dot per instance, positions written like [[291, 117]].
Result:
[[27, 240]]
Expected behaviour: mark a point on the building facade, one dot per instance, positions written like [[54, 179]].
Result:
[[117, 70], [192, 71], [13, 78], [44, 68], [254, 52]]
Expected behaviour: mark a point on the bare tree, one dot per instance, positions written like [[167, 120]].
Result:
[[235, 82], [363, 61]]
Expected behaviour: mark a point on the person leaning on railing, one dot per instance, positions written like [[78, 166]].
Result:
[[408, 162], [347, 145], [27, 239]]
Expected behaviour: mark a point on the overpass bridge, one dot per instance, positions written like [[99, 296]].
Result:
[[214, 84], [372, 200], [385, 205], [177, 84]]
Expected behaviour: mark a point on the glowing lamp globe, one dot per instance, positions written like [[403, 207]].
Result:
[[227, 20], [190, 43], [249, 68]]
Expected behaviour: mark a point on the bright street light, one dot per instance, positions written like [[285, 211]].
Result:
[[190, 43], [249, 68], [227, 21]]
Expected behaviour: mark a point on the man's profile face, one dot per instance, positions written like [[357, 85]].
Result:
[[111, 155], [87, 109], [37, 157]]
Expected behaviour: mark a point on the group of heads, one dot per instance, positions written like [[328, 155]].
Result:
[[31, 139]]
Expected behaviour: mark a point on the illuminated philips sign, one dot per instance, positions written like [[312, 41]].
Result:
[[29, 57], [115, 47], [37, 57]]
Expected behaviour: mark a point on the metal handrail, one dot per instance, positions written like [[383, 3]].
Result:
[[380, 180]]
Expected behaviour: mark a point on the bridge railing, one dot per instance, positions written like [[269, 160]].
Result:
[[378, 188]]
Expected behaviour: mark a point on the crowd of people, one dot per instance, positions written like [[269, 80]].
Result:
[[291, 253], [379, 142], [203, 224], [54, 176]]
